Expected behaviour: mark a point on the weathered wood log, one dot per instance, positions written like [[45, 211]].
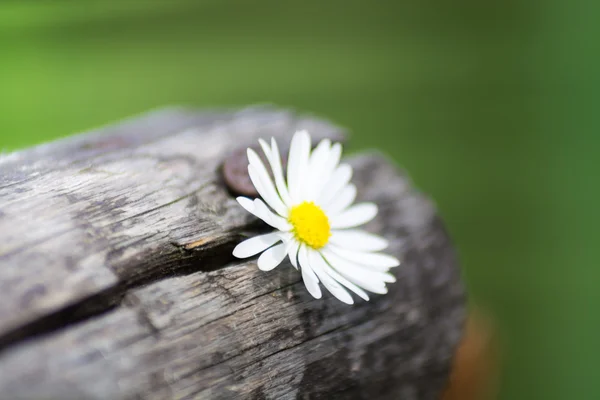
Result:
[[117, 280]]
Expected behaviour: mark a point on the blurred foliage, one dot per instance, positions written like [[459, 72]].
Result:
[[491, 106]]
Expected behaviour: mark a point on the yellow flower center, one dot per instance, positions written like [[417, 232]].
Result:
[[310, 223]]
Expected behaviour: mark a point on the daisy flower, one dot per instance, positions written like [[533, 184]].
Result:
[[315, 221]]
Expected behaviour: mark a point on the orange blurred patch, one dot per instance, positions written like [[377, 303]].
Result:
[[475, 370]]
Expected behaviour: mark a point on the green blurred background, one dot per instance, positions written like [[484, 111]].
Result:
[[491, 106]]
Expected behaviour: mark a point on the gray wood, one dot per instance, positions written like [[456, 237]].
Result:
[[117, 280]]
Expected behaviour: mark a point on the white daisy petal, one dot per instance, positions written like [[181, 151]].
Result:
[[335, 275], [286, 237], [356, 215], [278, 172], [264, 187], [335, 154], [297, 164], [324, 175], [370, 280], [292, 250], [317, 162], [247, 203], [342, 201], [263, 212], [376, 261], [272, 257], [255, 245], [333, 160], [308, 276], [355, 272], [357, 239], [340, 178], [266, 181], [371, 286], [272, 154], [317, 262]]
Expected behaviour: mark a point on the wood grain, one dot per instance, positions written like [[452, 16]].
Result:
[[117, 280]]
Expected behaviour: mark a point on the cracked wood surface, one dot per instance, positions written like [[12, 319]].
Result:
[[117, 280]]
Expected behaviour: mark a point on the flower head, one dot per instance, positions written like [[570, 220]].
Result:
[[315, 221]]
